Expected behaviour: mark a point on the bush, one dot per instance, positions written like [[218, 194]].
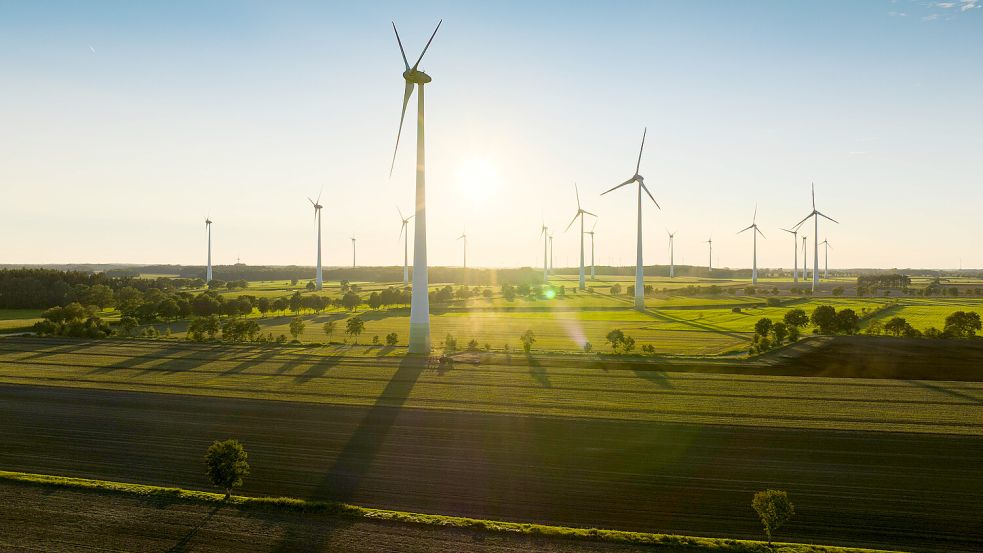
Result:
[[838, 291], [473, 345], [392, 339], [774, 302], [774, 509], [615, 289], [527, 339], [588, 347], [226, 465], [450, 343]]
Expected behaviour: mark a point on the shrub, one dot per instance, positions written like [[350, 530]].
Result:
[[527, 339], [628, 343], [774, 302], [392, 339], [735, 310], [588, 347], [838, 291], [615, 289], [226, 465], [473, 345], [450, 343]]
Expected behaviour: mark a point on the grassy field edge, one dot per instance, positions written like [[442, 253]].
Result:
[[675, 542]]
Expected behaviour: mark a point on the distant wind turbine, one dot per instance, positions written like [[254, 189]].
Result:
[[795, 256], [826, 260], [580, 213], [420, 303], [464, 236], [639, 266], [551, 252], [544, 234], [805, 267], [353, 251], [208, 269], [672, 252], [318, 279], [405, 235], [816, 214], [591, 233], [710, 264], [755, 233]]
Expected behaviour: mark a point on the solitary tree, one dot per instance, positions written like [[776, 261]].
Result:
[[226, 465], [297, 327], [527, 339], [774, 508], [354, 327], [329, 328], [615, 338]]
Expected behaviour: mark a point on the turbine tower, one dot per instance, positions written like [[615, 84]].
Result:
[[544, 234], [826, 259], [208, 269], [710, 264], [672, 252], [318, 280], [805, 265], [580, 213], [795, 256], [420, 303], [637, 178], [405, 235], [464, 236], [593, 274], [816, 214], [353, 251], [551, 252], [755, 233]]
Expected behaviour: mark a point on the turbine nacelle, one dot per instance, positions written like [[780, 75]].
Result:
[[416, 76]]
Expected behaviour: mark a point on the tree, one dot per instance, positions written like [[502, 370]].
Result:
[[392, 339], [226, 465], [527, 339], [297, 326], [627, 343], [354, 327], [847, 322], [962, 324], [350, 300], [329, 328], [615, 289], [763, 326], [615, 338], [824, 317], [780, 331], [508, 292], [774, 509], [796, 318], [838, 291], [896, 326], [264, 305]]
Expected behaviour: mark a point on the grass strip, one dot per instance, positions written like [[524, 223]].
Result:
[[660, 541]]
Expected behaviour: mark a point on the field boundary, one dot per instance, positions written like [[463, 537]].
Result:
[[675, 542]]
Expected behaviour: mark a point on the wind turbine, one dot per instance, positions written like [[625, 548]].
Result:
[[826, 261], [795, 256], [464, 236], [544, 234], [551, 252], [208, 269], [755, 233], [637, 178], [710, 264], [580, 213], [420, 303], [805, 266], [672, 252], [318, 280], [353, 251], [405, 235], [816, 214], [591, 233]]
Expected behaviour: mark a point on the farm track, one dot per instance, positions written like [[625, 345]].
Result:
[[877, 489]]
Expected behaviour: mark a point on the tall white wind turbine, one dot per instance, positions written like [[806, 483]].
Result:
[[795, 256], [672, 253], [816, 214], [805, 258], [580, 213], [710, 258], [420, 302], [208, 268], [755, 233], [405, 235], [826, 259], [318, 279], [639, 266], [353, 251], [544, 233], [551, 252], [593, 273]]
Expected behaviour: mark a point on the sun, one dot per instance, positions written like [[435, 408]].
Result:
[[477, 178]]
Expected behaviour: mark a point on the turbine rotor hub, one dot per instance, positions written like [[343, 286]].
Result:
[[416, 76]]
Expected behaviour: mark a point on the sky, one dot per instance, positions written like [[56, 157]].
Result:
[[125, 124]]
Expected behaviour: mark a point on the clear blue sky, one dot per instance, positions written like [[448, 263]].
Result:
[[125, 123]]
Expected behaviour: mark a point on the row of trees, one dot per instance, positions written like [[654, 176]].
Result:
[[72, 320], [44, 288], [959, 324]]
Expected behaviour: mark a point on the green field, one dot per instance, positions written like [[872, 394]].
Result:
[[530, 387], [15, 320]]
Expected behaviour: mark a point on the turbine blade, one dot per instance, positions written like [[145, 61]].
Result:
[[595, 225], [400, 42], [814, 196], [312, 201], [417, 64], [629, 181], [788, 231], [401, 218], [588, 213], [407, 92], [755, 218], [572, 221], [802, 221], [830, 218], [761, 233], [319, 192], [640, 150], [401, 229], [577, 192], [646, 189], [750, 227]]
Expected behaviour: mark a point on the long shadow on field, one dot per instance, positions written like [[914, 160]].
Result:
[[698, 326], [949, 392], [317, 369], [538, 372], [53, 349], [184, 543], [259, 359], [659, 378], [343, 478], [169, 357]]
